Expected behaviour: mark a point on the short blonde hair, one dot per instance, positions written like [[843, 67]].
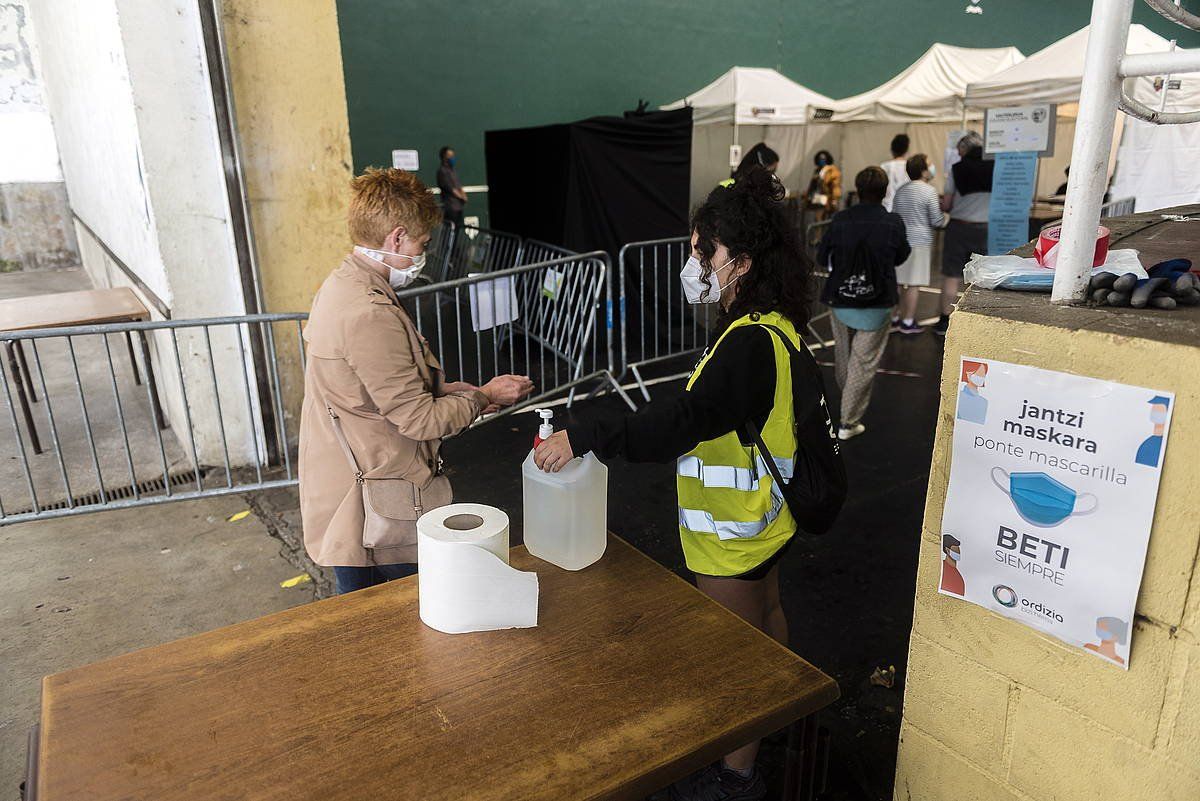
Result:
[[384, 199]]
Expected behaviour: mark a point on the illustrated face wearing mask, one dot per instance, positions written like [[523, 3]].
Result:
[[977, 378], [1111, 629], [692, 276], [403, 255]]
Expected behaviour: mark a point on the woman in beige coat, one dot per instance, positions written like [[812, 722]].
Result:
[[376, 405]]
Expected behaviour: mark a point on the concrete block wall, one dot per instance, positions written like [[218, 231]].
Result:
[[35, 227], [996, 710]]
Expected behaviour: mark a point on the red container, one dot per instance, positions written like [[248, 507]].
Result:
[[1046, 249]]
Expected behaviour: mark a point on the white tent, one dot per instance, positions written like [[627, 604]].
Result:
[[930, 89], [1055, 73], [1168, 171], [745, 106], [924, 101]]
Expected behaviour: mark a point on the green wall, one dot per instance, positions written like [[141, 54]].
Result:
[[421, 74]]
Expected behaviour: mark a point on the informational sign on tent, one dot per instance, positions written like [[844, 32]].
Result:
[[1053, 484], [1012, 195], [1017, 129]]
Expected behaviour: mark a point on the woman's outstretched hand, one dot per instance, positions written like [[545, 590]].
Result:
[[554, 453], [505, 390]]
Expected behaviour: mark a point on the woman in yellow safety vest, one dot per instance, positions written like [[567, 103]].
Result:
[[733, 521]]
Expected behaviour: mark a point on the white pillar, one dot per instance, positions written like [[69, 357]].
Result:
[[1098, 98]]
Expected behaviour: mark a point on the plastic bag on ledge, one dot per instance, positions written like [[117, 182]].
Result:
[[1014, 272]]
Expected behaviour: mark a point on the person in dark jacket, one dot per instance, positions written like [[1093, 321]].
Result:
[[861, 248], [734, 525], [453, 196]]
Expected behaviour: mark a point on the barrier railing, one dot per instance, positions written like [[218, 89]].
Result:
[[543, 320], [203, 423], [1118, 208], [479, 250], [535, 251], [107, 444], [658, 325]]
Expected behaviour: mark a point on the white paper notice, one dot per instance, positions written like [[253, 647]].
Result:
[[493, 303], [465, 582], [406, 160], [1053, 483]]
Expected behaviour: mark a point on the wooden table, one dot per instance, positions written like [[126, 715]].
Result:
[[62, 310], [631, 680]]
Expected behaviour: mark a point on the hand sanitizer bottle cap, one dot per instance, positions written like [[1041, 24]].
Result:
[[547, 427]]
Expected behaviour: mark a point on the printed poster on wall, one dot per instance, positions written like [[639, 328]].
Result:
[[1053, 484]]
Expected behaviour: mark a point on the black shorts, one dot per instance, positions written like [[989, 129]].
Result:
[[962, 239], [760, 572]]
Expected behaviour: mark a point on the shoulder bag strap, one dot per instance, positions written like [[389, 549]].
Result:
[[341, 438], [752, 429], [772, 468]]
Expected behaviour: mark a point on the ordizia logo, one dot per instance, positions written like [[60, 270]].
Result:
[[1005, 595]]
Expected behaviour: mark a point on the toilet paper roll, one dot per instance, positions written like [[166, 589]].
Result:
[[465, 582]]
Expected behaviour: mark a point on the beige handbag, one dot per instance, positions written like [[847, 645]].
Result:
[[391, 506]]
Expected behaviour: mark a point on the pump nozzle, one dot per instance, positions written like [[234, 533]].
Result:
[[546, 428]]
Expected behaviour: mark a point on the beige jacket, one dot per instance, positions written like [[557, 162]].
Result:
[[369, 363]]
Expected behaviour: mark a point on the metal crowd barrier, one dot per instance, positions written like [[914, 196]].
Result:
[[536, 251], [108, 449], [477, 250], [1118, 208], [231, 427], [543, 320], [659, 325]]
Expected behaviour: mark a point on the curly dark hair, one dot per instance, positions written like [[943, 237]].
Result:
[[748, 219]]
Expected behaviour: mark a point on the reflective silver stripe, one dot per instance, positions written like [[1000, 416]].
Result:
[[701, 521], [738, 478]]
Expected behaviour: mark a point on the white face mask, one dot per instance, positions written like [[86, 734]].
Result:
[[975, 379], [396, 277], [1158, 417], [694, 288], [953, 555]]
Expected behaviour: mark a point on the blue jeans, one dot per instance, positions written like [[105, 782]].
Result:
[[350, 579]]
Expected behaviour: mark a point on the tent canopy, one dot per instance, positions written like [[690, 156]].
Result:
[[752, 96], [930, 89], [1055, 75]]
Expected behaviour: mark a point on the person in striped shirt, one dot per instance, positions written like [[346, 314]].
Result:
[[917, 204]]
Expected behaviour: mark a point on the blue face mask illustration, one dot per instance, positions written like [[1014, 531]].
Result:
[[1041, 500]]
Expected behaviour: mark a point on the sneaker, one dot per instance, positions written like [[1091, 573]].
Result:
[[910, 327], [851, 431], [896, 324], [941, 325], [719, 783]]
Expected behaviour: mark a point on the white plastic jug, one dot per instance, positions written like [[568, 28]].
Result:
[[566, 513]]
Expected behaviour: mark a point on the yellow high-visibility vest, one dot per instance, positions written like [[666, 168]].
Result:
[[732, 516]]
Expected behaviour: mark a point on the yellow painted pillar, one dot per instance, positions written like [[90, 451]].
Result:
[[996, 710], [289, 95]]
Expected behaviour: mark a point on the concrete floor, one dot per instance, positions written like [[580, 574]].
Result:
[[81, 589]]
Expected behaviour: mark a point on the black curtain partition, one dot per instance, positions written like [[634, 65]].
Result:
[[595, 184]]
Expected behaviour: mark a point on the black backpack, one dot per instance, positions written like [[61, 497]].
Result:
[[817, 489], [859, 282]]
